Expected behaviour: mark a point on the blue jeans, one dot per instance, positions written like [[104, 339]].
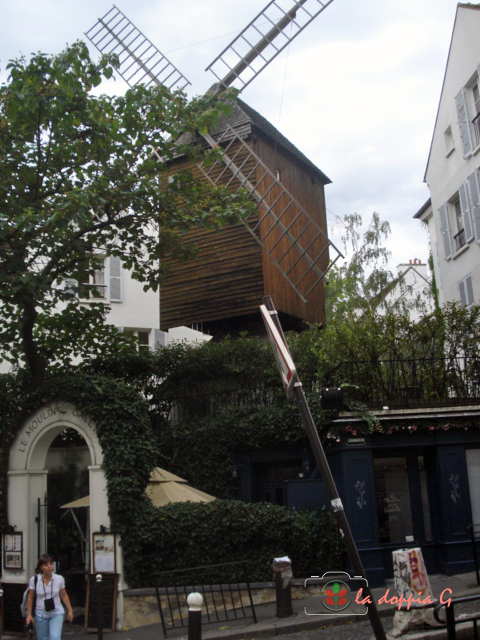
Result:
[[49, 628]]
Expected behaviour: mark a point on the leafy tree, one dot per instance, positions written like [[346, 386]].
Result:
[[353, 286], [79, 176], [362, 283]]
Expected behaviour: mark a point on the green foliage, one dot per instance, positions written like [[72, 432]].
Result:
[[123, 420], [188, 534], [361, 284], [78, 178]]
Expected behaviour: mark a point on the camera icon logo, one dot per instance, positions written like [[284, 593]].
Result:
[[337, 594]]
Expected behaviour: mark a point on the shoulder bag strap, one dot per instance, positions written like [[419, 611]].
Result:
[[34, 604]]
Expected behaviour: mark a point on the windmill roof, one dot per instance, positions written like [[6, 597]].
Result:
[[244, 120]]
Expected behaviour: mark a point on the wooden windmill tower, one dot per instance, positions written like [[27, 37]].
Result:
[[283, 251]]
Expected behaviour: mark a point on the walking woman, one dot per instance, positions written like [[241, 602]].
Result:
[[47, 589]]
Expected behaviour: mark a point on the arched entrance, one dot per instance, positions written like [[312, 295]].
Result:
[[28, 486]]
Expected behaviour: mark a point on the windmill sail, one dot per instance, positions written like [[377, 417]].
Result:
[[262, 40], [140, 60], [286, 232]]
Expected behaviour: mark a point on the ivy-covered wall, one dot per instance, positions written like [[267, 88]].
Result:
[[136, 435]]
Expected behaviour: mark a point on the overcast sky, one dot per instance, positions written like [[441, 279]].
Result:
[[357, 92]]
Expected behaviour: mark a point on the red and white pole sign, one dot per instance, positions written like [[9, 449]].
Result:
[[287, 369]]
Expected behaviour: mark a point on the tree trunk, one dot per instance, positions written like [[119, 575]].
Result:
[[36, 363]]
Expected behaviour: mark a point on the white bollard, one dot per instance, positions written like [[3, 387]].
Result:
[[194, 601]]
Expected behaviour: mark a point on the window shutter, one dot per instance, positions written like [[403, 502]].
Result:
[[463, 295], [464, 123], [465, 207], [465, 288], [469, 290], [474, 188], [115, 278], [445, 229]]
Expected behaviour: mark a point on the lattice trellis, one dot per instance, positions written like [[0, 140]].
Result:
[[140, 60], [254, 48]]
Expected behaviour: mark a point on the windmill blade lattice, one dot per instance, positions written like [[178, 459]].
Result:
[[140, 60], [284, 230], [254, 48]]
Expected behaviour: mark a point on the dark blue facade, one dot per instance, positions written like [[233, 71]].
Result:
[[407, 489]]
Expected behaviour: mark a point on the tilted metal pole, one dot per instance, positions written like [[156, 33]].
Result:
[[329, 482]]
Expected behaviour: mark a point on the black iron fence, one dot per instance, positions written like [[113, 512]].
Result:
[[395, 382], [452, 618], [410, 382], [225, 589]]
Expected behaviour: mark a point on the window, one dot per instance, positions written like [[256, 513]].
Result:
[[101, 280], [92, 283], [476, 111], [474, 193], [467, 102], [459, 237], [465, 206], [465, 288], [449, 146], [142, 337]]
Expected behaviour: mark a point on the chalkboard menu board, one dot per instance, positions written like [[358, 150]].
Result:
[[107, 591]]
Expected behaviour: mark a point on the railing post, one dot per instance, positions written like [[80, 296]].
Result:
[[98, 593], [450, 619], [194, 601], [1, 612]]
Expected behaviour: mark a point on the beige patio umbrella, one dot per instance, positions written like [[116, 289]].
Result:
[[165, 487]]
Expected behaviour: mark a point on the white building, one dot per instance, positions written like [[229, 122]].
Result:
[[452, 173], [410, 291]]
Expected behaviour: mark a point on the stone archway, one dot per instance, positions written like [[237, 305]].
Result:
[[27, 480], [28, 476]]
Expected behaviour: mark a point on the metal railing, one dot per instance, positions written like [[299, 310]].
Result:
[[223, 599], [451, 620], [460, 239], [411, 382], [474, 532]]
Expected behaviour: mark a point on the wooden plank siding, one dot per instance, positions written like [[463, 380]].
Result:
[[306, 188], [223, 280], [230, 273]]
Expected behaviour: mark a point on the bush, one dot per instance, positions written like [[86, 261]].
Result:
[[185, 535]]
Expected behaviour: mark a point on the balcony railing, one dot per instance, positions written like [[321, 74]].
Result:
[[410, 383], [459, 239]]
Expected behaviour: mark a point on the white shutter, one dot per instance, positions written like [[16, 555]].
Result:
[[445, 229], [115, 279], [464, 123], [465, 207], [469, 290], [463, 295], [474, 188]]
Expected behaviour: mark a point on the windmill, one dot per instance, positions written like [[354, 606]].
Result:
[[291, 238]]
